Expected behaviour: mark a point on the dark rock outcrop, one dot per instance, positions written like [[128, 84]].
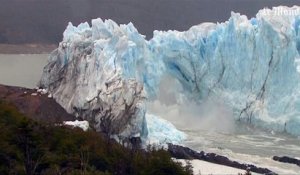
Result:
[[181, 152], [35, 105], [286, 159]]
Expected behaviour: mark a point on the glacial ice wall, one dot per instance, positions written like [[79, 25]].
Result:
[[249, 64]]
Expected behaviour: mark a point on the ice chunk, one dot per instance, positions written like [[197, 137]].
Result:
[[161, 131], [84, 125], [42, 91]]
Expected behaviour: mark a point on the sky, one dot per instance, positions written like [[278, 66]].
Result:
[[43, 21]]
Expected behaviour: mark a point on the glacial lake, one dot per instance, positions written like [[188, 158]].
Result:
[[22, 70]]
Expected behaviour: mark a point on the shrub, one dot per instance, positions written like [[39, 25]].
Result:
[[29, 147]]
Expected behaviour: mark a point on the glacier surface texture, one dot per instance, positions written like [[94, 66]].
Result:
[[107, 73]]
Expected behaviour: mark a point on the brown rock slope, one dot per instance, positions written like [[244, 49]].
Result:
[[34, 105]]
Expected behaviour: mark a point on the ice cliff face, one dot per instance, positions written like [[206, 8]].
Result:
[[249, 64]]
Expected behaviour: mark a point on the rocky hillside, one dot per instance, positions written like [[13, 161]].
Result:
[[33, 104]]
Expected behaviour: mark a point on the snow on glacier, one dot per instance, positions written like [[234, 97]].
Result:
[[248, 64]]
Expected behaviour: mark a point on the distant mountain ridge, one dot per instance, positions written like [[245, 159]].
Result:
[[43, 21]]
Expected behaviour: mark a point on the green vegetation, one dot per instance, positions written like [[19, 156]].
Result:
[[28, 147]]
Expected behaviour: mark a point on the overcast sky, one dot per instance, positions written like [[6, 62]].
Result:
[[25, 21]]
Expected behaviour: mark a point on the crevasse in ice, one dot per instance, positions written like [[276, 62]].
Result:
[[249, 64]]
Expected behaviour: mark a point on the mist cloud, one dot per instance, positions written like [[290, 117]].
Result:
[[174, 105]]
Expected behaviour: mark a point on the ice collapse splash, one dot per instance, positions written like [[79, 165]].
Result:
[[248, 64]]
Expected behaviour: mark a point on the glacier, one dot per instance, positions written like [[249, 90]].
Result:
[[109, 72]]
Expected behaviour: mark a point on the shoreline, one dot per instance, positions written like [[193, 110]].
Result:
[[183, 152], [32, 48]]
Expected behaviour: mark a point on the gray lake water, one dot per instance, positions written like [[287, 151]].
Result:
[[21, 70], [256, 147]]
